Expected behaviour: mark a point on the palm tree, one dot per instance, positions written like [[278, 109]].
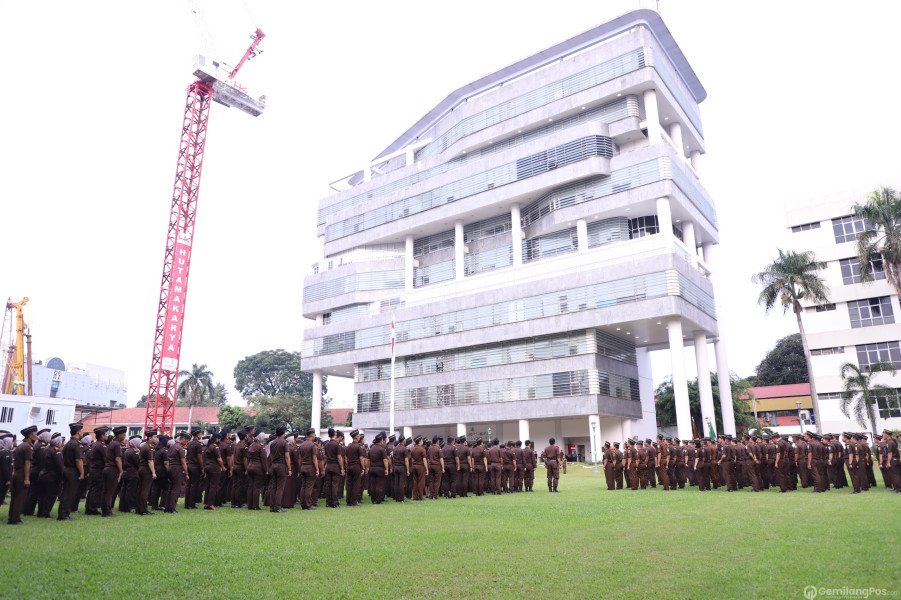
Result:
[[794, 276], [882, 238], [860, 392], [195, 386]]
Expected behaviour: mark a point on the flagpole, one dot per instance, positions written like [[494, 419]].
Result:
[[391, 409]]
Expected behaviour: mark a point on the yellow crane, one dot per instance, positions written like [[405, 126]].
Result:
[[14, 374]]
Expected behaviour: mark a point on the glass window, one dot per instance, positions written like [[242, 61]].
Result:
[[6, 414], [851, 270], [889, 407], [826, 351], [847, 228], [867, 354], [871, 311], [642, 226], [824, 307], [806, 227]]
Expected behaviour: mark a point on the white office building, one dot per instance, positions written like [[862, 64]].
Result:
[[535, 235], [859, 324]]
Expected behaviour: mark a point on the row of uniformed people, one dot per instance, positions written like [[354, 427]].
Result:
[[755, 461]]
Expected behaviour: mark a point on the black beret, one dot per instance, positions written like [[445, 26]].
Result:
[[195, 430], [647, 441], [100, 430], [150, 433], [417, 439], [119, 430], [435, 439], [518, 443], [225, 431], [339, 434], [6, 435], [47, 430], [392, 438], [55, 435], [354, 433], [310, 431], [606, 444], [184, 436], [74, 428], [478, 441], [249, 426], [242, 434]]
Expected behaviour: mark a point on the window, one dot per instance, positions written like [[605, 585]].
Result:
[[326, 318], [51, 417], [823, 307], [6, 414], [806, 227], [889, 406], [830, 396], [868, 354], [870, 311], [827, 351], [643, 226], [847, 228], [134, 431], [851, 270]]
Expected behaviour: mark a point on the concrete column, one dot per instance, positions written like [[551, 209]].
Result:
[[704, 386], [665, 218], [696, 160], [408, 264], [594, 433], [316, 416], [410, 157], [582, 234], [367, 173], [516, 234], [719, 347], [408, 432], [524, 430], [461, 429], [680, 381], [647, 426], [652, 116], [458, 250], [318, 319], [688, 237], [675, 134]]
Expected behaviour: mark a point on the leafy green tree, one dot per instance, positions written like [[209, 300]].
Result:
[[142, 403], [195, 387], [784, 364], [881, 241], [794, 276], [232, 416], [860, 392], [273, 373], [291, 410], [741, 394]]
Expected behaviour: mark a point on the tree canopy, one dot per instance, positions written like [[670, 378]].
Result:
[[879, 246], [273, 373], [291, 410], [741, 393], [784, 364], [232, 416]]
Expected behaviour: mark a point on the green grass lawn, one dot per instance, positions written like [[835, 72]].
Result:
[[584, 542]]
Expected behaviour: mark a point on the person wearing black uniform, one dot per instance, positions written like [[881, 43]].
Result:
[[96, 460], [196, 475], [279, 471], [73, 472], [51, 477], [112, 469], [146, 472], [131, 479], [159, 489], [214, 469], [40, 446], [21, 478]]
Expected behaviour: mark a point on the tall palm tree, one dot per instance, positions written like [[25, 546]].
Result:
[[881, 240], [794, 276], [860, 392], [195, 386]]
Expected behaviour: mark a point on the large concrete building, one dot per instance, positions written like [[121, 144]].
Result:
[[535, 235], [859, 324]]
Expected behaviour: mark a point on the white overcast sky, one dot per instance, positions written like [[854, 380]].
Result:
[[802, 100]]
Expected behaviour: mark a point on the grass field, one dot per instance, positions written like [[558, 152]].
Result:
[[584, 542]]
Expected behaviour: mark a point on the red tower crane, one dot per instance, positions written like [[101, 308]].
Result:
[[214, 82]]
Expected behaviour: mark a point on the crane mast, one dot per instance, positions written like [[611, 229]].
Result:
[[214, 83]]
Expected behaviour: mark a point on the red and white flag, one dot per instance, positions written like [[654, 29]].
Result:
[[393, 336]]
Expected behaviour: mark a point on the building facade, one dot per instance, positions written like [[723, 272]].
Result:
[[534, 237], [859, 324], [86, 383], [19, 412]]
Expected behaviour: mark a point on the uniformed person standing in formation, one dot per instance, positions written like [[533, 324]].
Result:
[[553, 456]]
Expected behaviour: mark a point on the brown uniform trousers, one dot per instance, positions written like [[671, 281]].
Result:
[[418, 481], [608, 474], [435, 476], [726, 480], [144, 491], [176, 483], [663, 475], [553, 473]]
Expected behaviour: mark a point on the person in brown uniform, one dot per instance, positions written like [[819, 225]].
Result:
[[479, 477], [112, 469], [463, 463], [816, 462], [509, 468], [131, 480], [227, 450], [239, 471], [378, 469], [642, 464], [6, 464], [631, 468], [279, 469], [147, 471], [607, 463], [51, 477], [355, 467], [528, 467], [37, 464], [400, 468], [308, 459], [21, 480], [194, 459], [436, 468], [552, 457], [769, 453], [495, 459], [178, 471], [851, 460], [420, 468], [159, 489], [96, 456], [334, 469], [650, 447], [518, 473], [256, 467], [725, 465], [751, 464], [662, 464], [891, 460], [618, 466], [450, 468], [214, 468]]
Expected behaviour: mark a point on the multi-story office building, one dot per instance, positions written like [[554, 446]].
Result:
[[859, 324], [535, 235]]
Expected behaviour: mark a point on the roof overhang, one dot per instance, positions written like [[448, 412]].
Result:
[[612, 28]]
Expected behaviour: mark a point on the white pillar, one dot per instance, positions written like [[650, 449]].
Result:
[[688, 238], [367, 174], [319, 319], [594, 433], [652, 116], [316, 416], [705, 388], [680, 381], [675, 134], [408, 264], [408, 432], [665, 219], [461, 429], [582, 234], [696, 161], [647, 426], [724, 380], [458, 250], [516, 234], [524, 430], [410, 157]]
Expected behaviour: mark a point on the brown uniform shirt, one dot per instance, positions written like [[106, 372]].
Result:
[[72, 451], [417, 455], [434, 454], [553, 453]]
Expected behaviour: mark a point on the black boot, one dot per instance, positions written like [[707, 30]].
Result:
[[550, 488], [555, 488]]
